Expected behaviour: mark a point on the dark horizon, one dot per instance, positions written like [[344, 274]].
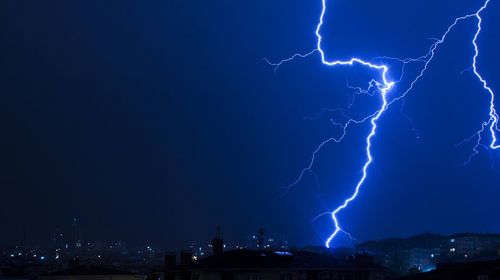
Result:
[[233, 241]]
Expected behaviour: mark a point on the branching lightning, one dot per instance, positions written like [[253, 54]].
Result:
[[492, 123], [383, 86]]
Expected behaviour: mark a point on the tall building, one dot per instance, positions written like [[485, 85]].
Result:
[[76, 241]]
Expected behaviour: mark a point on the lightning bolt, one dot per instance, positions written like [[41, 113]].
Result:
[[383, 86], [492, 123]]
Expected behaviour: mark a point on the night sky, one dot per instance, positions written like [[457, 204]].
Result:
[[156, 121]]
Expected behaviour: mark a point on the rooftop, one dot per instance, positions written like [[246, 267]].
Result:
[[255, 259], [89, 270]]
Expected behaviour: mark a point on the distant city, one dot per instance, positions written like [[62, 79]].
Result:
[[383, 259], [67, 246], [423, 252]]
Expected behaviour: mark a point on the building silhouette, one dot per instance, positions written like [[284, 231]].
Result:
[[277, 265]]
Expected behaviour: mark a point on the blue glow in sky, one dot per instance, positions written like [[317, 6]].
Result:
[[382, 88], [126, 113]]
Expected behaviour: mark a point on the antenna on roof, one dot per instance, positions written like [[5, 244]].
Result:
[[218, 242]]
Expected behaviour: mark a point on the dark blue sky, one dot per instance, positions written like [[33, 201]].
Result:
[[155, 122]]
